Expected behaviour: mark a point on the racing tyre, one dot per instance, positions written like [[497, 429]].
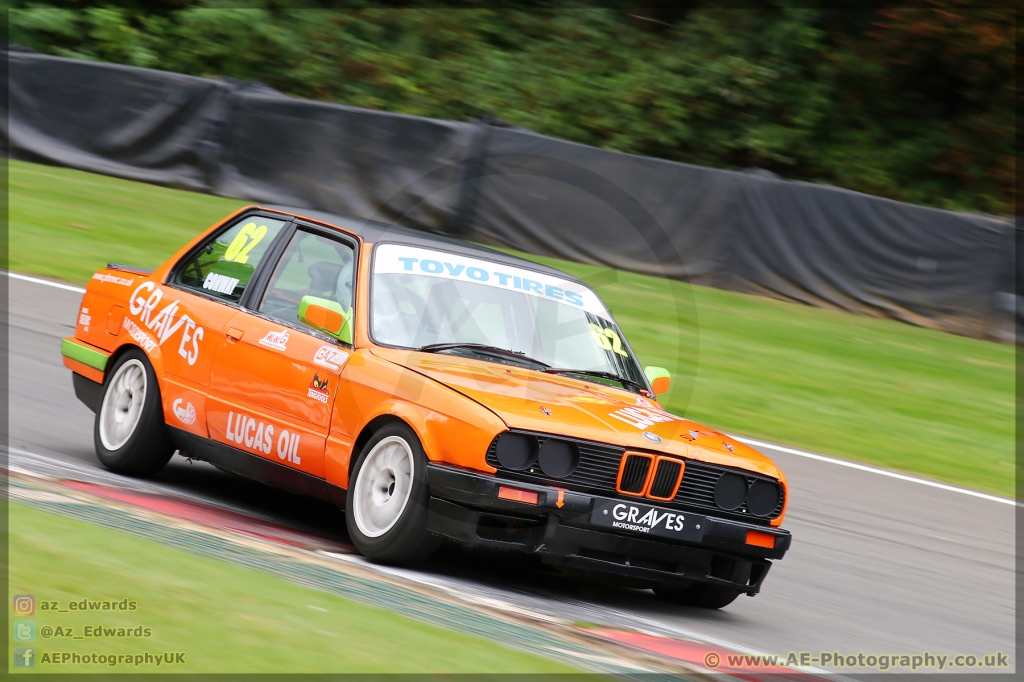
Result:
[[386, 506], [129, 431], [703, 595]]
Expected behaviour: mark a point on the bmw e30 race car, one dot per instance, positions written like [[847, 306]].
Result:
[[434, 389]]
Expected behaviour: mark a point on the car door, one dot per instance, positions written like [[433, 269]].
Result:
[[274, 379], [186, 317]]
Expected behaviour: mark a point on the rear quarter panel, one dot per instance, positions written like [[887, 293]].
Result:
[[113, 315]]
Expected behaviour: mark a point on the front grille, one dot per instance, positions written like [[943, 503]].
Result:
[[664, 482], [599, 468], [634, 474]]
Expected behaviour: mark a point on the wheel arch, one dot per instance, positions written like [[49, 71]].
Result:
[[442, 437], [116, 355], [155, 362], [139, 455], [371, 427]]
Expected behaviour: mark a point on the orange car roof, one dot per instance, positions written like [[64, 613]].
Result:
[[374, 232]]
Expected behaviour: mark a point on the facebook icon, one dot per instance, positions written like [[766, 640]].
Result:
[[24, 656]]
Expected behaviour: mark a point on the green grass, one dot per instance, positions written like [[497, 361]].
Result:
[[67, 224], [227, 619], [877, 391]]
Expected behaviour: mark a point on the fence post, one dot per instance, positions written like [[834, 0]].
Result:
[[472, 176]]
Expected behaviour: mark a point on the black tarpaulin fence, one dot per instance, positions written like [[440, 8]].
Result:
[[803, 242]]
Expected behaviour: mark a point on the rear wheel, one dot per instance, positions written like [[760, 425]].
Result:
[[129, 431], [386, 507]]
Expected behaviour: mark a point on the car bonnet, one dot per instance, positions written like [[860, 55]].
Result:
[[545, 403]]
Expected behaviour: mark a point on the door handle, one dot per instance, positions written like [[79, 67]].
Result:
[[234, 334]]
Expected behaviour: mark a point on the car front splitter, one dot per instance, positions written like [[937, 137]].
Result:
[[465, 506]]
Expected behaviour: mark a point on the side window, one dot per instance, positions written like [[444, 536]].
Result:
[[312, 265], [224, 266]]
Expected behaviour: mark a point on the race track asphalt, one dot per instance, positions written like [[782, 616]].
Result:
[[878, 565]]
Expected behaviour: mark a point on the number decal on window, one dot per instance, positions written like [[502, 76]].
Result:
[[599, 338], [239, 248], [616, 341], [606, 338]]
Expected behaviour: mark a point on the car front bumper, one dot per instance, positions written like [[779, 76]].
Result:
[[465, 507]]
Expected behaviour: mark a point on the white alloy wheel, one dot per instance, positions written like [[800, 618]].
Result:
[[122, 404], [383, 487]]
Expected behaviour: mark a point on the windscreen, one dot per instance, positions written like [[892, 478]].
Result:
[[421, 297]]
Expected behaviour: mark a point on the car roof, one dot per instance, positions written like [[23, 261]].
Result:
[[374, 232]]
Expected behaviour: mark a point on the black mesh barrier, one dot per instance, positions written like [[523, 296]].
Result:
[[140, 124], [797, 241], [356, 162], [831, 247], [802, 242], [550, 197]]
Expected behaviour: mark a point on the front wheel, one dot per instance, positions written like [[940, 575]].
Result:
[[129, 431], [386, 507]]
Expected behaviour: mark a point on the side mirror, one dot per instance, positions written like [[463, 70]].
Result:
[[327, 317], [660, 379]]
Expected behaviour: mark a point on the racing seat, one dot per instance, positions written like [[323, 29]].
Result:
[[323, 279]]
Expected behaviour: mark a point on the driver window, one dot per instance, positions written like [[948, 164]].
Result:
[[312, 265], [224, 266]]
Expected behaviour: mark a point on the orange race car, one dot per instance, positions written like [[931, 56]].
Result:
[[434, 388]]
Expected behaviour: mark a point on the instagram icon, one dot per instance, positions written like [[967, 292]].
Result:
[[24, 605]]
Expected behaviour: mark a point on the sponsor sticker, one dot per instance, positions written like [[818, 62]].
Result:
[[139, 336], [590, 399], [84, 319], [276, 340], [407, 260], [220, 283], [164, 324], [318, 389], [648, 405], [641, 417], [113, 279], [257, 435], [186, 414], [330, 357], [642, 518]]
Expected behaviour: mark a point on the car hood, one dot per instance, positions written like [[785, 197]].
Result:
[[547, 403]]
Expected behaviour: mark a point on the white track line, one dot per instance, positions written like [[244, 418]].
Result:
[[748, 441], [873, 470], [47, 282]]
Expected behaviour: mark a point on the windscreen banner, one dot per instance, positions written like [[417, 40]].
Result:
[[398, 259]]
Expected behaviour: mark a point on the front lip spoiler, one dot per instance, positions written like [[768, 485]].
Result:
[[465, 503]]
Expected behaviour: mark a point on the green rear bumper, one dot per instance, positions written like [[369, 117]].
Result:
[[87, 356]]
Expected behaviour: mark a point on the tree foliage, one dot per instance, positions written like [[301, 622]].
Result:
[[912, 104]]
